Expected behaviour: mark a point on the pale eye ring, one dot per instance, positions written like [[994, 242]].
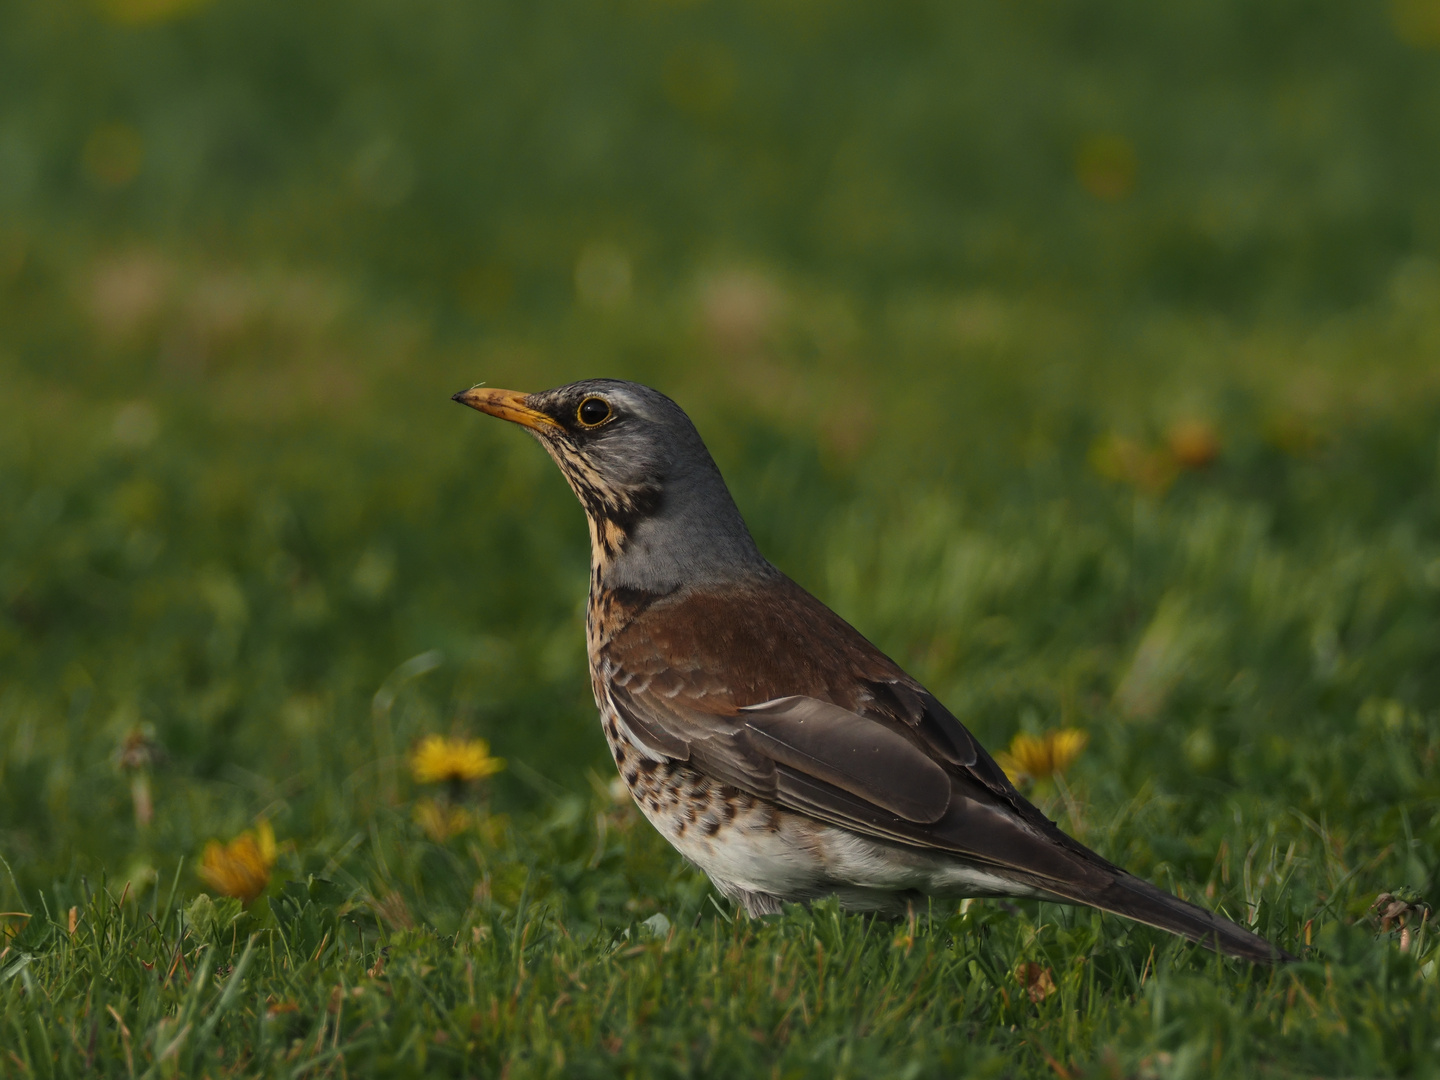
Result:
[[593, 412]]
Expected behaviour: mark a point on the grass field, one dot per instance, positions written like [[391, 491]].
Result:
[[1088, 361]]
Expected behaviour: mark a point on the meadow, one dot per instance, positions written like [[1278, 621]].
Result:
[[1086, 359]]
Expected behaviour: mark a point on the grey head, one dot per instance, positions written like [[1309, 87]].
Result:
[[660, 514]]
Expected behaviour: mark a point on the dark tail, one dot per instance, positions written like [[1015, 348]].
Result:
[[1136, 899]]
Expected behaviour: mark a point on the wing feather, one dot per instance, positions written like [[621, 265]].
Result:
[[851, 753]]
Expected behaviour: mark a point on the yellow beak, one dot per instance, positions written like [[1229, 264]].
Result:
[[507, 405]]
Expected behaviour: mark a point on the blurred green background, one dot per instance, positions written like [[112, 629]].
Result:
[[946, 286]]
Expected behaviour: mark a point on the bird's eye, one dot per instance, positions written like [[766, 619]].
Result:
[[593, 412]]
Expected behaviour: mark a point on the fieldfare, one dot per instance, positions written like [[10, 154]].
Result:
[[766, 739]]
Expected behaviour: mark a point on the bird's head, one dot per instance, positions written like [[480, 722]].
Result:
[[658, 508]]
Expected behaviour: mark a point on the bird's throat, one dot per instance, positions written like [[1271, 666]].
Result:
[[607, 541]]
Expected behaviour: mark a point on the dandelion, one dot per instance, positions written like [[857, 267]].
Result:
[[455, 763], [1032, 757], [438, 760], [1193, 444], [242, 867]]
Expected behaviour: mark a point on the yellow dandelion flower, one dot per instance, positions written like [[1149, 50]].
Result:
[[242, 867], [1193, 444], [438, 760], [1032, 757], [440, 821]]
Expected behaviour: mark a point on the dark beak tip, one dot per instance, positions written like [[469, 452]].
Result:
[[459, 396]]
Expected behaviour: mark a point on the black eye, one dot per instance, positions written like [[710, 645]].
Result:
[[593, 411]]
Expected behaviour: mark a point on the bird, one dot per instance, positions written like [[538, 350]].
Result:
[[762, 735]]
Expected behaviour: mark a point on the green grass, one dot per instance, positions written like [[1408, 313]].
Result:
[[872, 252]]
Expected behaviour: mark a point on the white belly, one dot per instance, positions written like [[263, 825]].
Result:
[[761, 855]]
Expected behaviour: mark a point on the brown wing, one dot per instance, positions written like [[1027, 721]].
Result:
[[867, 760]]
